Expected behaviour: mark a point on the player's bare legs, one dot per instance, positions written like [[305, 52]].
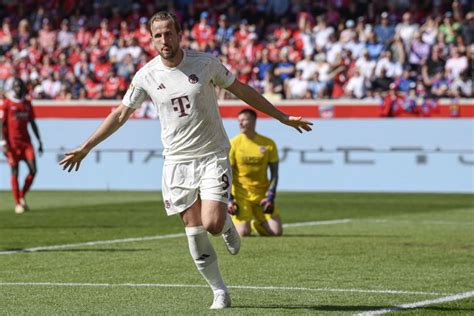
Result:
[[28, 181], [19, 209], [202, 217], [270, 227], [273, 226], [243, 229]]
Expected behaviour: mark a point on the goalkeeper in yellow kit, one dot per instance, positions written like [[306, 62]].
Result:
[[252, 202]]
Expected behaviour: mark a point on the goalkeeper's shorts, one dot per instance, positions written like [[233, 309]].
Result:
[[249, 211]]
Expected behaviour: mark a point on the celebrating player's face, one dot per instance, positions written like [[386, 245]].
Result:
[[165, 39]]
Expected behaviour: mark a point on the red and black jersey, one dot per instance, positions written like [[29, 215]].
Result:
[[16, 116]]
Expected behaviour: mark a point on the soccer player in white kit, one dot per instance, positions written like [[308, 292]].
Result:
[[197, 175]]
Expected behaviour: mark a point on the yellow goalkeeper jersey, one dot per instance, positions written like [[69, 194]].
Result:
[[249, 159]]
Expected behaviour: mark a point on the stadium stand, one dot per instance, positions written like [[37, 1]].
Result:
[[405, 54]]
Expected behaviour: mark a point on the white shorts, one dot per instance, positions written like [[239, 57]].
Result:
[[208, 177]]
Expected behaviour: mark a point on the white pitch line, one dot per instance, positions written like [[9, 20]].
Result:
[[92, 243], [135, 239], [246, 287], [445, 299]]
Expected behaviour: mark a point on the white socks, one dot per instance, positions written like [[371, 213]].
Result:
[[205, 257]]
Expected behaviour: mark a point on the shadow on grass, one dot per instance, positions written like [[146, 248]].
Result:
[[349, 308], [338, 236], [21, 250]]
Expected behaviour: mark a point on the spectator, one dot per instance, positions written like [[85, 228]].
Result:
[[47, 36], [101, 68], [297, 87], [284, 68], [263, 64], [51, 86], [323, 69], [114, 86], [126, 68], [467, 28], [203, 32], [316, 87], [406, 29], [307, 66], [83, 36], [384, 31], [440, 86], [23, 34], [333, 50], [374, 47], [405, 82], [462, 86], [322, 32], [356, 86], [365, 65], [6, 37], [93, 87], [456, 64], [392, 68], [143, 35], [449, 28], [225, 31], [392, 102], [269, 92], [65, 37], [418, 52], [103, 35], [118, 51], [429, 31], [306, 38]]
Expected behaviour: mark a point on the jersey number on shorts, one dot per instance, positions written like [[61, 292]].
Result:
[[225, 179]]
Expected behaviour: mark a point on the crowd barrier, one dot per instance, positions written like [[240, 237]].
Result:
[[341, 154]]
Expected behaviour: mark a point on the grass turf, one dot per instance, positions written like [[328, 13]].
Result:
[[403, 242]]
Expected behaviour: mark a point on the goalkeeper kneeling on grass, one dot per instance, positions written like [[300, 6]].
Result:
[[252, 203]]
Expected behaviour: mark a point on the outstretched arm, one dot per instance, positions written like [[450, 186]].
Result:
[[112, 123], [256, 100]]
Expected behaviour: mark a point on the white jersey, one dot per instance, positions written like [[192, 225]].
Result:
[[186, 102]]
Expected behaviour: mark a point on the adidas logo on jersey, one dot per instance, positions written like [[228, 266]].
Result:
[[161, 86]]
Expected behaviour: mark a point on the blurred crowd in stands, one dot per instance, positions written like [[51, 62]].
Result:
[[299, 49]]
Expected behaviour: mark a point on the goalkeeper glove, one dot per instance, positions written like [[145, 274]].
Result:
[[232, 207], [268, 202]]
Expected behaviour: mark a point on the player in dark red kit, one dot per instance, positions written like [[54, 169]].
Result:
[[17, 113]]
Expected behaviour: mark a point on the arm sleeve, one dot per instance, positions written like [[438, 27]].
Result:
[[135, 95], [221, 76]]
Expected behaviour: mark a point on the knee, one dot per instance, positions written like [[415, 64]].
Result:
[[214, 228]]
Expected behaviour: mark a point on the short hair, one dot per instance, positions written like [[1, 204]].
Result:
[[250, 112], [163, 16]]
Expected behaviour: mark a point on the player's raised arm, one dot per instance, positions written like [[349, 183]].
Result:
[[256, 100], [111, 123]]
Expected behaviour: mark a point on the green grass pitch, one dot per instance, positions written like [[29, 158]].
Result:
[[363, 252]]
